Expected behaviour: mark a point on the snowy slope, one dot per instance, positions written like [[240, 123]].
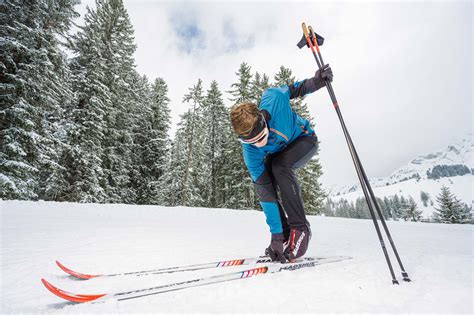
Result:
[[401, 181], [115, 238]]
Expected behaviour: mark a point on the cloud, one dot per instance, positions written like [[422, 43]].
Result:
[[403, 70]]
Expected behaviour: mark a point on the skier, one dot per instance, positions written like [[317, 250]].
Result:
[[276, 141]]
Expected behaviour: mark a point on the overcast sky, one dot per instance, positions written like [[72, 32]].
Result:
[[402, 70]]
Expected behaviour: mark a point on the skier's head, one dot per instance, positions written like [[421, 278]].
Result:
[[249, 124]]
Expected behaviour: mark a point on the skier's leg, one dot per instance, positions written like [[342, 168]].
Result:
[[284, 163]]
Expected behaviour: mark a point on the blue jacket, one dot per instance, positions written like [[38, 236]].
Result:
[[285, 126]]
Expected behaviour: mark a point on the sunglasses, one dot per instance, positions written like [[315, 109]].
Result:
[[259, 128]]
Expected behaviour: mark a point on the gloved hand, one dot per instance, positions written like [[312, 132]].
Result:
[[323, 75], [277, 248]]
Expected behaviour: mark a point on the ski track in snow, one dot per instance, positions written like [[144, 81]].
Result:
[[93, 238]]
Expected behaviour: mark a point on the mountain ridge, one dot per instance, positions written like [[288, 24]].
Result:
[[417, 176]]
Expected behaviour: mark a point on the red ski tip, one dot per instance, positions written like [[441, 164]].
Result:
[[78, 298], [74, 273]]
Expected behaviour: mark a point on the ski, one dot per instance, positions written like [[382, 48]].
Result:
[[127, 295], [218, 264]]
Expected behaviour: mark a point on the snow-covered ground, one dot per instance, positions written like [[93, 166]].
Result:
[[115, 238]]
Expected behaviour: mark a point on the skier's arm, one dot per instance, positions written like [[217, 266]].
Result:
[[254, 159], [308, 86]]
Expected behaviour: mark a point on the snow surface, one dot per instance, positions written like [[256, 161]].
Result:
[[113, 238]]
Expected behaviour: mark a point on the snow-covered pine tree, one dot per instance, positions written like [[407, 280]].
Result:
[[171, 183], [142, 134], [156, 143], [344, 209], [387, 208], [106, 106], [241, 194], [117, 48], [241, 90], [150, 140], [215, 120], [192, 135], [328, 208], [83, 161], [238, 192], [411, 212], [450, 209], [466, 216], [362, 209], [396, 207], [259, 85], [34, 88]]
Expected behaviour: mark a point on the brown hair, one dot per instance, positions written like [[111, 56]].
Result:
[[244, 117]]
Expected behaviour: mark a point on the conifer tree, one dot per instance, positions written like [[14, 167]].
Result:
[[361, 209], [150, 141], [171, 183], [155, 151], [140, 172], [215, 120], [328, 208], [411, 212], [450, 209], [34, 84], [242, 89], [240, 188], [396, 207], [83, 161], [192, 137], [259, 85], [118, 48], [106, 106], [387, 207]]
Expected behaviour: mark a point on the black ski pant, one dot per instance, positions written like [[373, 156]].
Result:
[[281, 167]]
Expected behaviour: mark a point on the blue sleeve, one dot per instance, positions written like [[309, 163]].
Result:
[[255, 161]]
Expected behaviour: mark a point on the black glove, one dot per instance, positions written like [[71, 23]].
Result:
[[323, 75], [276, 249]]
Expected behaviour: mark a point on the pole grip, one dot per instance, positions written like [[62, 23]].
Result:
[[305, 30]]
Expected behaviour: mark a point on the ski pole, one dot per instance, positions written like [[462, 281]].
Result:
[[365, 185], [320, 63], [364, 175]]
